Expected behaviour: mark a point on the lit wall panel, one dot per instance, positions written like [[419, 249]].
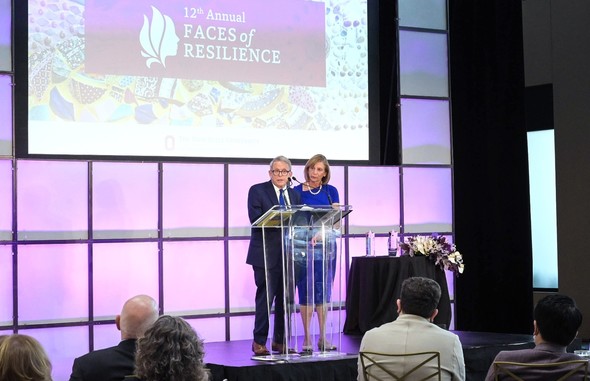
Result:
[[52, 283], [5, 106], [241, 327], [431, 14], [210, 330], [6, 200], [423, 64], [241, 278], [63, 345], [374, 195], [106, 335], [426, 131], [5, 36], [428, 200], [241, 178], [121, 271], [5, 285], [193, 200], [194, 280], [52, 200], [125, 200]]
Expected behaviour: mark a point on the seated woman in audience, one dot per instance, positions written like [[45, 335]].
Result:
[[22, 358], [170, 351]]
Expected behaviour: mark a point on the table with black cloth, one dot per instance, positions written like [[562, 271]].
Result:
[[374, 285]]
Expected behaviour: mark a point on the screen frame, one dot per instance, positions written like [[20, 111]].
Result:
[[21, 123]]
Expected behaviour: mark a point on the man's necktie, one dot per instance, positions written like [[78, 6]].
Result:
[[282, 197]]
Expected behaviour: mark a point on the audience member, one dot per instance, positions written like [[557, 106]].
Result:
[[114, 363], [22, 358], [413, 331], [555, 325], [171, 350]]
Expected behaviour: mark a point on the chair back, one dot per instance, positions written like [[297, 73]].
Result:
[[559, 371], [385, 366]]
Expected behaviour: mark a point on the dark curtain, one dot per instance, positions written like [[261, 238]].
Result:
[[492, 222]]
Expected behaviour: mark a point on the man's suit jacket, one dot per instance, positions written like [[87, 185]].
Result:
[[261, 198], [107, 364], [412, 334], [541, 354]]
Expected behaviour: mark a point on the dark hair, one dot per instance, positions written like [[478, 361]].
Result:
[[170, 351], [318, 158], [22, 358], [558, 319], [419, 296]]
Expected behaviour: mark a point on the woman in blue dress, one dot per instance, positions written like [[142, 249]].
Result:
[[320, 265]]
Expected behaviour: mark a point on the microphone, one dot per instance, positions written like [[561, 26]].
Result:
[[328, 194], [294, 178]]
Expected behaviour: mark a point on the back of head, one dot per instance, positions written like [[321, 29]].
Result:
[[22, 358], [558, 319], [170, 350], [137, 315], [419, 296]]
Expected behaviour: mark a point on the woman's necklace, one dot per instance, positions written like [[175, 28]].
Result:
[[318, 191]]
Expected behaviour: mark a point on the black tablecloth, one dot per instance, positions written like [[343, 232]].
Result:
[[374, 285]]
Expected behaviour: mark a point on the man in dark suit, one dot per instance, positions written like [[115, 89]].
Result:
[[556, 324], [261, 198], [114, 363]]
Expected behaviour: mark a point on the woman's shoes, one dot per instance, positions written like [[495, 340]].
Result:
[[306, 349], [324, 345]]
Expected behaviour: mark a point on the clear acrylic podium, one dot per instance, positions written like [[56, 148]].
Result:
[[311, 263]]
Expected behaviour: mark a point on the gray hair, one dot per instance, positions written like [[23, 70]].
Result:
[[280, 158]]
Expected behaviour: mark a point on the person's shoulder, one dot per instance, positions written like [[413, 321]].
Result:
[[104, 353], [259, 187]]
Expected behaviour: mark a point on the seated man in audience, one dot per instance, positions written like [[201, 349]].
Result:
[[412, 332], [114, 363], [556, 323]]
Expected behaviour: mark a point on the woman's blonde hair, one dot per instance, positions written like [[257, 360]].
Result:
[[22, 358], [318, 158]]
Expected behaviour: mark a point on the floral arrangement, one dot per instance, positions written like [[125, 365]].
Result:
[[444, 254]]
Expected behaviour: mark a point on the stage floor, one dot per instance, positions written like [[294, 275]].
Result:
[[232, 360]]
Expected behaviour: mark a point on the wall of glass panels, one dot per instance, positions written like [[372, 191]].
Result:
[[78, 238]]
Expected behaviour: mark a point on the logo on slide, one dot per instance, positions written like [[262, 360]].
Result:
[[158, 38]]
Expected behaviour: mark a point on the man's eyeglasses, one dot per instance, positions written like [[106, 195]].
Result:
[[282, 172]]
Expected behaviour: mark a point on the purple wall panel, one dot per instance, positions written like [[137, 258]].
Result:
[[52, 199], [5, 285], [193, 277], [53, 283], [210, 330], [125, 200], [426, 131], [423, 64], [63, 345], [5, 109], [5, 200], [241, 178], [121, 271], [240, 327], [374, 196], [193, 200], [241, 278], [105, 335], [428, 200], [5, 37]]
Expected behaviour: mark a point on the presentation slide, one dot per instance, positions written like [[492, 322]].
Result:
[[198, 79]]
